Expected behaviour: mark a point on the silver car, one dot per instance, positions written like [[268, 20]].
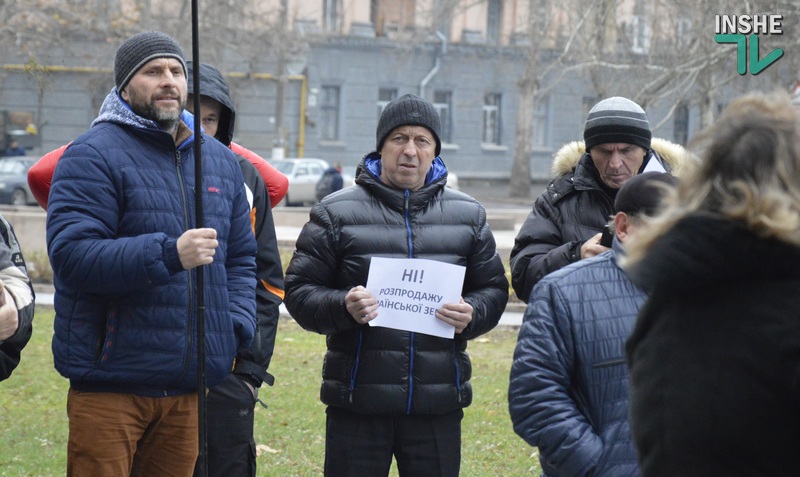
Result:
[[303, 175]]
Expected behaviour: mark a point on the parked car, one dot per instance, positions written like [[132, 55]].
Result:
[[14, 188], [303, 175]]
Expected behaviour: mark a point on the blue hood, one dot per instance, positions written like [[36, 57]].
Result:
[[116, 110], [438, 169]]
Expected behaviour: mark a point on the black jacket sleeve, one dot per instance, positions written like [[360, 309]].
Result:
[[252, 363]]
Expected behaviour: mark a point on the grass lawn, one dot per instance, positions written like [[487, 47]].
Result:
[[290, 435]]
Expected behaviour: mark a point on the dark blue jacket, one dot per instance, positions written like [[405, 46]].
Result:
[[568, 392], [126, 315]]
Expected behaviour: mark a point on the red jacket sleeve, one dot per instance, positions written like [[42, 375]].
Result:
[[277, 183], [41, 173]]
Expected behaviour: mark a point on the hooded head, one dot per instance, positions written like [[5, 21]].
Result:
[[213, 85]]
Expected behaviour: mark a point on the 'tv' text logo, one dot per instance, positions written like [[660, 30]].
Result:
[[733, 29]]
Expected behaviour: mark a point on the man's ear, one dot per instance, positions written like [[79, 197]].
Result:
[[621, 223], [124, 94]]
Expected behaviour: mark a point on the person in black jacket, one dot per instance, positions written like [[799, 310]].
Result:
[[715, 355], [389, 391], [16, 301], [330, 182], [565, 223], [231, 447], [568, 392]]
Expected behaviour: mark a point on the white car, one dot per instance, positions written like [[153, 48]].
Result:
[[303, 175]]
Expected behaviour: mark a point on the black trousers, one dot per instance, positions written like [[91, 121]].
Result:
[[358, 445], [231, 447]]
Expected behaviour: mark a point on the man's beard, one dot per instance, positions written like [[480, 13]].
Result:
[[168, 120]]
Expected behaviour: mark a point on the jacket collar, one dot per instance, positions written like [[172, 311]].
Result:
[[116, 110]]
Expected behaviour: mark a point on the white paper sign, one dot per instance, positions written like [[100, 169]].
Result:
[[410, 290]]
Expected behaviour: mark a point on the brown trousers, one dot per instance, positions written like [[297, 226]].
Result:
[[112, 435]]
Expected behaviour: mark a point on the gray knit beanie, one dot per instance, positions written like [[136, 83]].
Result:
[[137, 50], [408, 110], [614, 120]]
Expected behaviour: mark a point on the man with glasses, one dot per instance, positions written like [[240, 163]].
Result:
[[566, 222]]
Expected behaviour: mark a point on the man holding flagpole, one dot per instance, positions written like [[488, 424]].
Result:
[[124, 247]]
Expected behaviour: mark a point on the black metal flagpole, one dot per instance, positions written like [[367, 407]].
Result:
[[202, 409]]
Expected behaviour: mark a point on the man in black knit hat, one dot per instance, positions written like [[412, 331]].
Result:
[[392, 392], [124, 246], [566, 221]]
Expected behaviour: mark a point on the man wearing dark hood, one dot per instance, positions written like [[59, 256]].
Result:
[[231, 447]]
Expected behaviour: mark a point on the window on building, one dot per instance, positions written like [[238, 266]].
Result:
[[384, 96], [640, 34], [443, 102], [494, 21], [681, 124], [330, 15], [541, 123], [329, 113], [443, 16], [491, 119]]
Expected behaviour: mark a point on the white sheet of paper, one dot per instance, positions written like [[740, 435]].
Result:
[[410, 290]]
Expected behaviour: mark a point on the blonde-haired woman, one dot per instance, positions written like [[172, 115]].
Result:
[[715, 355]]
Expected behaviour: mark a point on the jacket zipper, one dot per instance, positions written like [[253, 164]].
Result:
[[191, 318], [355, 366], [406, 207], [458, 372]]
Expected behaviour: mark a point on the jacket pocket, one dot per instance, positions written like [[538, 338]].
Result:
[[106, 342], [609, 362]]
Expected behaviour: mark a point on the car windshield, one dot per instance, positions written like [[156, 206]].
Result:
[[11, 167], [284, 167]]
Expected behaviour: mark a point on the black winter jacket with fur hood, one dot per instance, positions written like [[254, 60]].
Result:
[[572, 209]]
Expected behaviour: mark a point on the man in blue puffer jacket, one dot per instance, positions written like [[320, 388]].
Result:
[[568, 391], [124, 247]]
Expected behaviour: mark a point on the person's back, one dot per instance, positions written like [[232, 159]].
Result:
[[715, 354], [568, 393], [330, 182], [14, 149]]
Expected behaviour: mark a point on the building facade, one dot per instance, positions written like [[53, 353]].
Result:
[[310, 77]]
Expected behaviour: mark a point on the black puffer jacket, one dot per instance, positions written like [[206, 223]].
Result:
[[570, 211], [375, 370]]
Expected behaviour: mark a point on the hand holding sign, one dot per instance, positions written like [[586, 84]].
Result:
[[411, 294], [361, 304]]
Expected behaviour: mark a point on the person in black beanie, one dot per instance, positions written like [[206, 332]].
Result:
[[566, 221], [394, 392], [124, 246]]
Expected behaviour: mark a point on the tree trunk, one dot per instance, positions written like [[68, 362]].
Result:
[[519, 185]]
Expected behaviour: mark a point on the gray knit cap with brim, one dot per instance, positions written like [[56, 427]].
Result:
[[137, 50], [616, 120], [408, 110]]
